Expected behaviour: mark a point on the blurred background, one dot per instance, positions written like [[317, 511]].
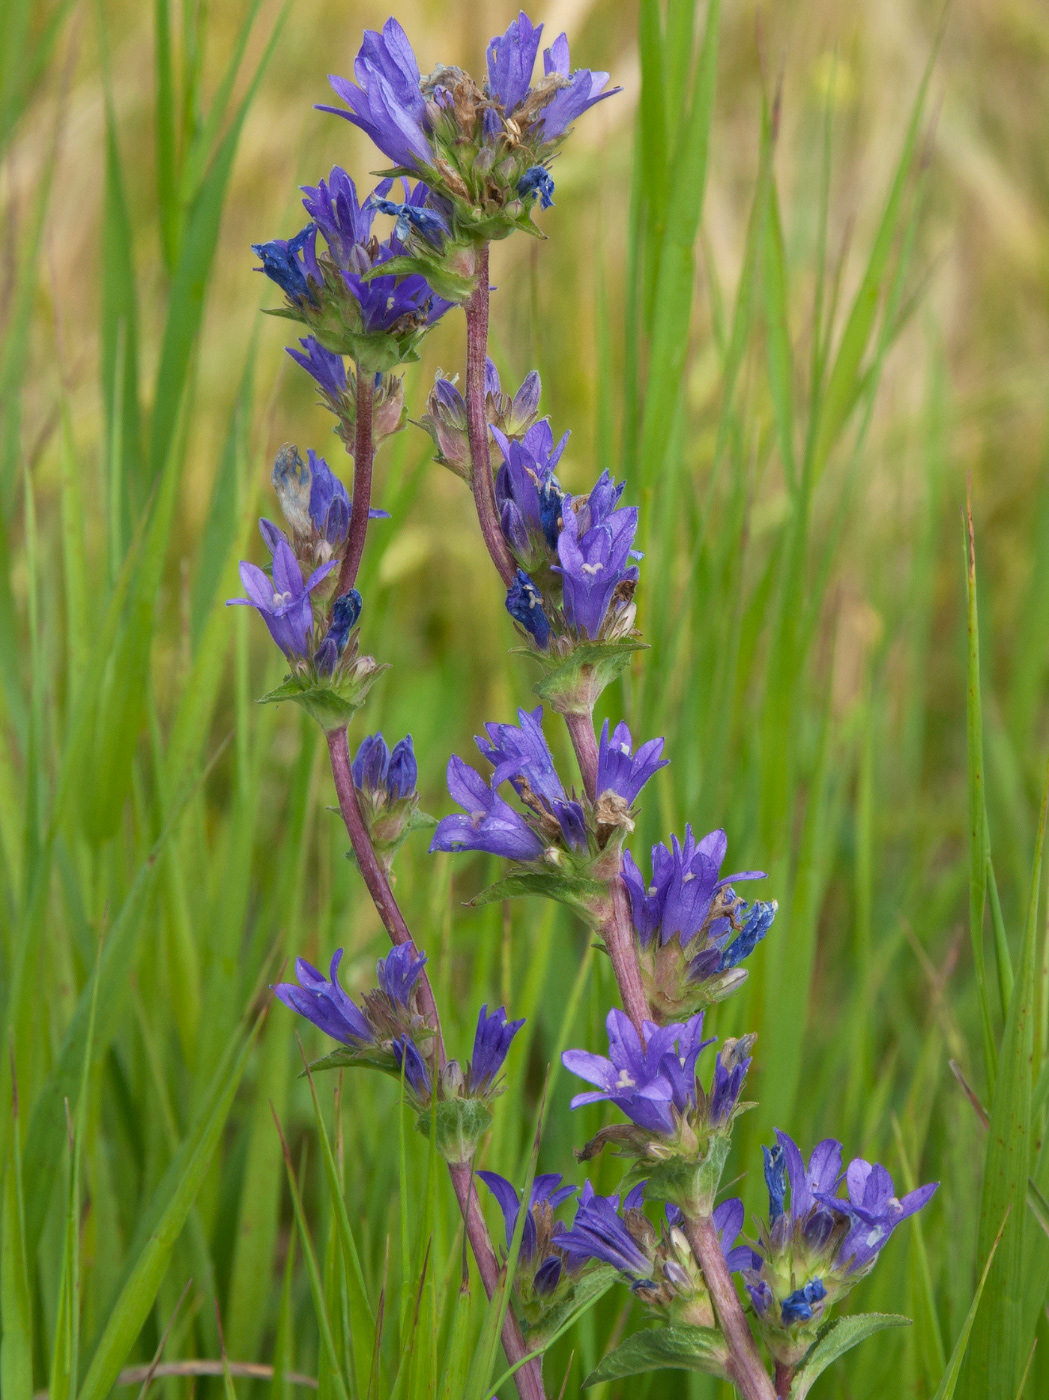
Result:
[[797, 340]]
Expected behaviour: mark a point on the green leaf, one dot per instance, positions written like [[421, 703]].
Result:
[[664, 1348], [332, 706], [575, 891], [575, 686], [592, 1285], [834, 1339]]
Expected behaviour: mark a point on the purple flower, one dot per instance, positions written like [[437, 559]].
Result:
[[797, 1307], [327, 368], [645, 1081], [873, 1210], [685, 881], [599, 1232], [379, 772], [537, 181], [511, 58], [594, 561], [283, 600], [342, 219], [582, 90], [491, 1042], [415, 213], [386, 102], [345, 612], [291, 263], [726, 1089], [384, 300], [490, 823], [329, 501], [528, 494], [521, 756], [728, 1222], [546, 1191], [619, 769], [524, 603], [399, 971], [412, 1066], [325, 1003]]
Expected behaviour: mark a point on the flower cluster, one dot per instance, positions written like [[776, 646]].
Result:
[[508, 415], [680, 1132], [812, 1252], [692, 929], [390, 1033], [483, 150], [349, 295]]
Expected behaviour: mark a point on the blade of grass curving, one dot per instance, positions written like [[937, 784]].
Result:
[[166, 1217], [26, 48], [457, 1353], [1002, 956], [284, 1345], [1001, 1337], [652, 137], [929, 1322], [320, 1307], [977, 804], [166, 120]]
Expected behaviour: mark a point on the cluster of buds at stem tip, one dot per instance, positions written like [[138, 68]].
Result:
[[483, 150], [813, 1250], [328, 675], [559, 843], [508, 415], [389, 1033], [385, 783], [692, 930], [679, 1132]]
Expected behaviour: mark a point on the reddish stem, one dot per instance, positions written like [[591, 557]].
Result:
[[363, 455], [617, 930], [476, 309], [784, 1380], [745, 1365], [529, 1378]]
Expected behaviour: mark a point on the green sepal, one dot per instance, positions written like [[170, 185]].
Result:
[[574, 685], [656, 1349], [834, 1339], [583, 895], [460, 1125], [688, 1183], [548, 1321], [376, 352], [332, 706]]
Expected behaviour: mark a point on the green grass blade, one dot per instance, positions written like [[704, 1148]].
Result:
[[175, 1196], [1000, 1342], [977, 809], [945, 1390], [16, 1314]]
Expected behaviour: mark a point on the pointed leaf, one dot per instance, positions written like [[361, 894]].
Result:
[[834, 1339], [662, 1348]]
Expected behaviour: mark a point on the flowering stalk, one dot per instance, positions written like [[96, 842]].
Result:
[[363, 455], [529, 1378], [618, 932], [476, 309], [745, 1364]]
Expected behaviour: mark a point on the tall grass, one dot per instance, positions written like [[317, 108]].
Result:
[[794, 291]]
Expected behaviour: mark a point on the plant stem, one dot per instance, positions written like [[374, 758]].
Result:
[[745, 1365], [363, 455], [617, 931], [476, 309], [784, 1380], [529, 1378]]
